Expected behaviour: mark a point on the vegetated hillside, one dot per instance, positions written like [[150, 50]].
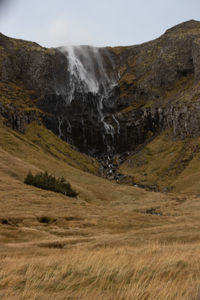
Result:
[[166, 164], [155, 99], [160, 81]]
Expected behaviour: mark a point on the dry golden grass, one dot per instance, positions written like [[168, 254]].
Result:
[[155, 272], [103, 245], [167, 163]]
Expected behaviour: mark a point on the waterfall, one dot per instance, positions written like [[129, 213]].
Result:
[[60, 122], [92, 79], [117, 122]]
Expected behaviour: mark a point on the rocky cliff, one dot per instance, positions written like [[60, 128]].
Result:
[[108, 100]]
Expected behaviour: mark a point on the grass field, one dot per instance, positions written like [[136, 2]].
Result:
[[111, 242]]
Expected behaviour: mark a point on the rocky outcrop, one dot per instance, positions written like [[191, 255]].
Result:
[[41, 69], [142, 124], [17, 119]]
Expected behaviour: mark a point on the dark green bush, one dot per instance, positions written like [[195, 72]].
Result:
[[48, 182]]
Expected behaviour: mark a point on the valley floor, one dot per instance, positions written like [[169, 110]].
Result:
[[111, 242]]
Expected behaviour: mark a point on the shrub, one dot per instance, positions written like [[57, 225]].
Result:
[[48, 182]]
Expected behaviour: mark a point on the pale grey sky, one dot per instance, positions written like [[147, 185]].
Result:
[[97, 22]]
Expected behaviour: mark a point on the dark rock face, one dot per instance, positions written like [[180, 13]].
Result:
[[17, 119], [138, 124], [41, 69], [110, 100]]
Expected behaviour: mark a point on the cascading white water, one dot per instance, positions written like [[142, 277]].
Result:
[[60, 122], [88, 75], [69, 131], [117, 122], [79, 74]]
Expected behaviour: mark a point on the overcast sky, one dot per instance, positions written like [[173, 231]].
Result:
[[97, 22]]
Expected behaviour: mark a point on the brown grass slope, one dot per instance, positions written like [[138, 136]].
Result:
[[167, 163], [111, 242]]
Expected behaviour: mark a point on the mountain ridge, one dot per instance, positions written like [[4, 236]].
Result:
[[156, 88]]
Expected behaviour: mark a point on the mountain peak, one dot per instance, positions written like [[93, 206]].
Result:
[[185, 26]]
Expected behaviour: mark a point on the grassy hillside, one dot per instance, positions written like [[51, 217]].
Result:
[[111, 242], [167, 163]]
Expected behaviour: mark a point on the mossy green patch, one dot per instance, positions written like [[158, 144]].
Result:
[[118, 50], [15, 93], [136, 105], [31, 47], [182, 90]]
